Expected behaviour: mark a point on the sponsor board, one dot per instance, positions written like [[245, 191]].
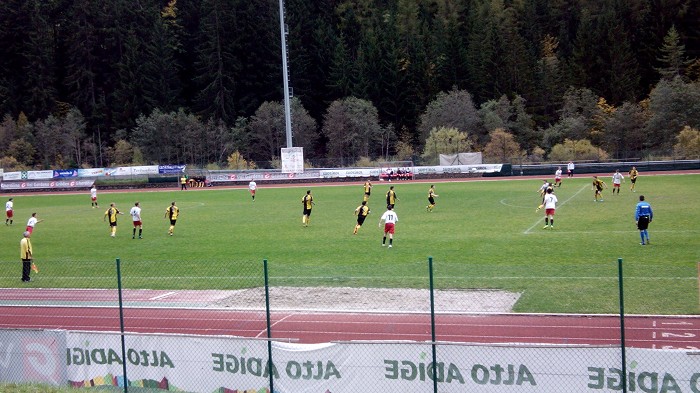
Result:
[[91, 172], [46, 185], [62, 173], [171, 169], [207, 364]]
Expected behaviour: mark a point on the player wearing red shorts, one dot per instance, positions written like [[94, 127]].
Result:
[[390, 218]]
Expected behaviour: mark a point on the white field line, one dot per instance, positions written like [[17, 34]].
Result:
[[539, 221], [162, 296]]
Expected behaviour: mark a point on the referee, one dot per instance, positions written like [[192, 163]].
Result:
[[643, 215]]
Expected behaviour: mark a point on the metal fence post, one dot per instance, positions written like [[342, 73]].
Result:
[[269, 332], [121, 324], [623, 346], [432, 324]]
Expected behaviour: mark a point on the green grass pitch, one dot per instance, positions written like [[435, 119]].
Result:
[[482, 234]]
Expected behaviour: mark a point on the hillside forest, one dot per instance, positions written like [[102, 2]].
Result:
[[86, 83]]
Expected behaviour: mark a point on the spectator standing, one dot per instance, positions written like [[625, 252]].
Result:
[[570, 168]]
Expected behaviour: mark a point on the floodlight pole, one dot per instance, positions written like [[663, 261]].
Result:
[[285, 76]]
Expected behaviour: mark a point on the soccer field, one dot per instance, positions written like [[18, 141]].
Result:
[[482, 234]]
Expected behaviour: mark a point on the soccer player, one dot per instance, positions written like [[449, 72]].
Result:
[[9, 211], [643, 216], [431, 198], [93, 196], [308, 202], [361, 212], [391, 197], [598, 186], [368, 190], [543, 188], [252, 186], [633, 178], [550, 204], [390, 219], [617, 180], [32, 222], [557, 177], [172, 212], [135, 213], [112, 213]]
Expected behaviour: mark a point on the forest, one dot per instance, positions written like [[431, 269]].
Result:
[[87, 83]]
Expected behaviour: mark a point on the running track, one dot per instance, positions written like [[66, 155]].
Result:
[[185, 312]]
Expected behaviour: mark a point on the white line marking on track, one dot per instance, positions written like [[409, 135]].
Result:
[[539, 221], [274, 324], [162, 296]]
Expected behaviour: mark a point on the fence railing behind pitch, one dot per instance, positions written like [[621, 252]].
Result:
[[256, 328]]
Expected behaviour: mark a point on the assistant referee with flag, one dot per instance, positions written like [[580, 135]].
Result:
[[25, 253]]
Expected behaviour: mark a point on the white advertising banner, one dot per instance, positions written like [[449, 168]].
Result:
[[292, 159], [91, 172], [9, 176], [40, 175], [225, 364], [260, 176]]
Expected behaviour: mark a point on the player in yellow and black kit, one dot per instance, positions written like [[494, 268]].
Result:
[[111, 213], [391, 197], [361, 212], [633, 177], [368, 190], [308, 202], [431, 199], [598, 186], [172, 212]]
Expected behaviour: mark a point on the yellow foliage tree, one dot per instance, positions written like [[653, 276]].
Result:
[[688, 143], [237, 161]]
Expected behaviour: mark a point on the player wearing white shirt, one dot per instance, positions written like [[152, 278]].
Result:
[[617, 179], [93, 196], [390, 219], [550, 204], [135, 213], [32, 222], [557, 177], [252, 186], [570, 168], [9, 212]]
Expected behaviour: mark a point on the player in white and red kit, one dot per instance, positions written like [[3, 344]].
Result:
[[557, 177], [390, 219], [550, 204], [617, 179]]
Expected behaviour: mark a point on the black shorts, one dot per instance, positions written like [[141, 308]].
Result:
[[113, 224], [643, 223], [633, 180], [368, 192], [307, 212], [173, 222], [431, 200], [361, 220]]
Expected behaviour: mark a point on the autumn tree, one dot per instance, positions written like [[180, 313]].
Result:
[[445, 140], [501, 147]]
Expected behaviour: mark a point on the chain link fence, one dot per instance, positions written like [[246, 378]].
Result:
[[271, 327]]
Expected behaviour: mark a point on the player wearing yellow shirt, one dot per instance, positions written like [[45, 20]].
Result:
[[172, 212], [368, 190], [391, 197], [308, 202], [598, 186], [361, 212], [431, 198], [112, 213], [633, 178]]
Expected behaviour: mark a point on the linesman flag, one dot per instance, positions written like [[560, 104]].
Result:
[[34, 268]]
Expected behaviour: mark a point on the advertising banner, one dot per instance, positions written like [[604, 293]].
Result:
[[171, 169], [39, 175], [145, 170], [9, 176], [260, 176], [91, 172], [33, 356], [46, 184], [221, 364], [62, 173]]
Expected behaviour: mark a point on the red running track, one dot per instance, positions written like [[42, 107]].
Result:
[[165, 312]]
